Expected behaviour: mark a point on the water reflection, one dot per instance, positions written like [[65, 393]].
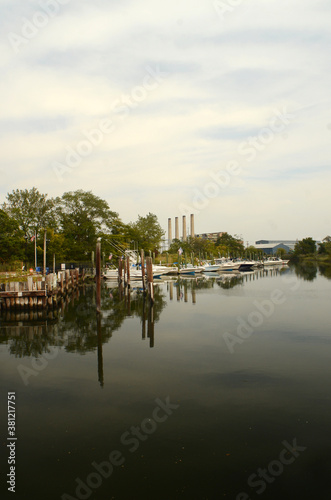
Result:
[[77, 328]]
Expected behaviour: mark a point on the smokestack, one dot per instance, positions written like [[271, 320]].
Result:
[[169, 232], [176, 228], [192, 225], [184, 227]]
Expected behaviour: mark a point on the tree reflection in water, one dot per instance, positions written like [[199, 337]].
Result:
[[77, 328]]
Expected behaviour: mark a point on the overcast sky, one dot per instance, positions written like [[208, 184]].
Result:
[[221, 109]]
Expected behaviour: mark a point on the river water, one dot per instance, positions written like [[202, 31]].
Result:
[[220, 391]]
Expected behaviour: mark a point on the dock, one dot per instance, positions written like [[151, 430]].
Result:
[[38, 294]]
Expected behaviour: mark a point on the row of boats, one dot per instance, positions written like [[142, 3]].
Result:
[[220, 265]]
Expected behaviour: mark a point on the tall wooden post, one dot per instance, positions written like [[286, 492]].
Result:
[[44, 263], [128, 270], [149, 267], [119, 274], [98, 275], [143, 269]]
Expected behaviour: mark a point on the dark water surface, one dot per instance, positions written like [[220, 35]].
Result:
[[224, 393]]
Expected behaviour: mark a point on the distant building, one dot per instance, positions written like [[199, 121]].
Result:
[[270, 247], [209, 236]]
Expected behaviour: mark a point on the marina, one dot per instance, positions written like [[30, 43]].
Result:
[[240, 357]]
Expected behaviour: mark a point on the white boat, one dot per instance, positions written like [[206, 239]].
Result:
[[274, 261], [227, 265], [211, 268], [110, 274]]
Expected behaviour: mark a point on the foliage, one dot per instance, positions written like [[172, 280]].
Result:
[[233, 244], [30, 209], [11, 239], [325, 248], [146, 231], [83, 217], [306, 246]]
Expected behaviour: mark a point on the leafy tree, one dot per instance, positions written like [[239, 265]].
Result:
[[146, 231], [325, 248], [233, 244], [281, 252], [305, 247], [11, 239], [31, 210], [83, 217]]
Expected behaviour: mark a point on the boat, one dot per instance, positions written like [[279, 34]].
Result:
[[275, 261], [211, 268], [227, 265], [247, 265]]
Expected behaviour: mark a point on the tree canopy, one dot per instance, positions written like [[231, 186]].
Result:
[[30, 209], [73, 223]]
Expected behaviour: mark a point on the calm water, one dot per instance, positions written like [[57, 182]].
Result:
[[221, 391]]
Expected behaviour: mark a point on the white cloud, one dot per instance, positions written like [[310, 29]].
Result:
[[225, 79]]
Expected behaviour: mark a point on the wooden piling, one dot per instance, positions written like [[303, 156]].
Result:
[[143, 270], [128, 271], [98, 275], [119, 274], [150, 281]]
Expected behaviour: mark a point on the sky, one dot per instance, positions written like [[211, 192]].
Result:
[[217, 108]]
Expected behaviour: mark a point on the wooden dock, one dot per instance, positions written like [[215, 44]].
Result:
[[39, 294]]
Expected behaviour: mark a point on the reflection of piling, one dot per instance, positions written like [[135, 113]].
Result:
[[98, 275], [143, 333], [150, 326], [194, 300], [100, 357], [150, 282], [171, 290]]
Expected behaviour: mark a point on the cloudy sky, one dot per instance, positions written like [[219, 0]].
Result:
[[218, 108]]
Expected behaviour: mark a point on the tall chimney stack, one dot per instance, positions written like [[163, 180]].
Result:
[[169, 232], [176, 228], [184, 227], [192, 225]]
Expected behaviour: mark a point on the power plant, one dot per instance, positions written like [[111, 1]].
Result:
[[184, 229]]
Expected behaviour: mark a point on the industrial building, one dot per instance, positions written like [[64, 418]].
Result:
[[270, 247]]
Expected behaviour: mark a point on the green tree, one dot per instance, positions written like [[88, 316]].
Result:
[[83, 217], [280, 252], [325, 248], [11, 239], [31, 210], [146, 231], [306, 246], [233, 244]]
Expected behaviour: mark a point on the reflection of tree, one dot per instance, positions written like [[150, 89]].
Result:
[[33, 339], [77, 330], [325, 270], [306, 270], [228, 282]]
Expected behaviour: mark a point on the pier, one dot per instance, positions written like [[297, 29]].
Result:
[[40, 293]]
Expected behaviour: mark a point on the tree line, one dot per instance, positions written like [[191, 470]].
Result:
[[72, 222]]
